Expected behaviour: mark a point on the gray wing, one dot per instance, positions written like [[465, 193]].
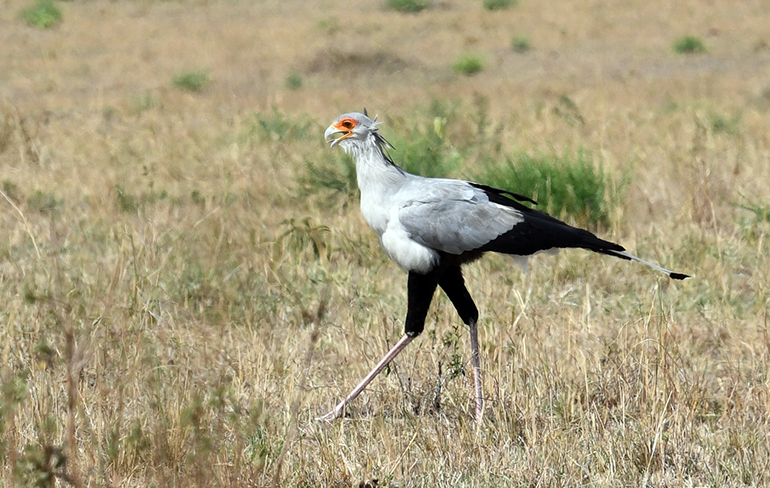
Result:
[[452, 216]]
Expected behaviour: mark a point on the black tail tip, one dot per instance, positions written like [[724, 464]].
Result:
[[679, 276]]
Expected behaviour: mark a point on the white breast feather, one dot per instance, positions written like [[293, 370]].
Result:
[[407, 253]]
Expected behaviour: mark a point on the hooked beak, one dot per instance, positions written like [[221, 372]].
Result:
[[334, 135]]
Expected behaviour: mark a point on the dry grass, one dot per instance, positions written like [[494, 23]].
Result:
[[160, 303]]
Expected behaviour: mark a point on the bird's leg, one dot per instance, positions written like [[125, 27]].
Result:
[[420, 293], [454, 286], [474, 332], [340, 408], [420, 289]]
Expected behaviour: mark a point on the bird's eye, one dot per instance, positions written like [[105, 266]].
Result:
[[348, 123]]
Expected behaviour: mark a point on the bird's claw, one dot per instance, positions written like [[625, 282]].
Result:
[[333, 415]]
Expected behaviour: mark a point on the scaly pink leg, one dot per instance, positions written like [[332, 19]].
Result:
[[400, 345], [474, 332]]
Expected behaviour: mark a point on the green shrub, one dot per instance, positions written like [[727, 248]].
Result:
[[469, 64], [279, 127], [294, 81], [143, 102], [43, 202], [127, 202], [499, 4], [11, 191], [193, 81], [725, 124], [568, 184], [760, 211], [424, 151], [330, 25], [520, 44], [336, 174], [44, 14], [299, 235], [411, 6], [689, 45], [568, 110]]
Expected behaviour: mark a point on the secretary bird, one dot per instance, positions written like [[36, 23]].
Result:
[[432, 226]]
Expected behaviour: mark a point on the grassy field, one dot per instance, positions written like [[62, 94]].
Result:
[[187, 282]]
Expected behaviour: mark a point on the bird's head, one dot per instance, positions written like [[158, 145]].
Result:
[[351, 128], [357, 134]]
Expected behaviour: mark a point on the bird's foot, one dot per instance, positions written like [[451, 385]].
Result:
[[333, 415]]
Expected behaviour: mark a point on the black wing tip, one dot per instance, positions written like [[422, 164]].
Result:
[[498, 191], [521, 198], [679, 276]]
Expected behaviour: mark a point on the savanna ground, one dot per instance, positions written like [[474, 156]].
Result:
[[181, 297]]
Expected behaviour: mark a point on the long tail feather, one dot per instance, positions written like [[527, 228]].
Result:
[[626, 255]]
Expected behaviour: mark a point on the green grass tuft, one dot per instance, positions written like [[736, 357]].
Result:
[[335, 175], [192, 81], [499, 4], [424, 150], [11, 190], [43, 202], [143, 102], [469, 64], [44, 14], [521, 44], [760, 212], [720, 123], [127, 202], [689, 45], [410, 6], [329, 25], [294, 81], [279, 127], [299, 235], [568, 184]]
